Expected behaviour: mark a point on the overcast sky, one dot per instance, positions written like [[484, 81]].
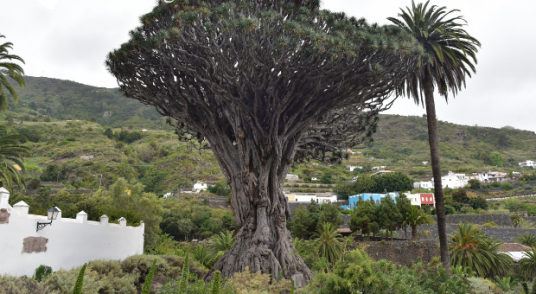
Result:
[[69, 39]]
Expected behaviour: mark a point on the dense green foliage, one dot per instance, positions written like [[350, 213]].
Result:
[[471, 249], [389, 182], [358, 272], [42, 272]]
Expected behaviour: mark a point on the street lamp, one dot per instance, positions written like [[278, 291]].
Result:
[[52, 214]]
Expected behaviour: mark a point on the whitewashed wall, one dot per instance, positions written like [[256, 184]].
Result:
[[71, 242]]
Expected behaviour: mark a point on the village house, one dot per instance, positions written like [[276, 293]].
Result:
[[376, 197], [454, 180], [528, 163]]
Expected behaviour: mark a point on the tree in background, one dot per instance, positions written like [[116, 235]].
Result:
[[300, 222], [416, 217], [129, 201], [404, 207], [9, 69], [329, 214], [364, 218], [392, 182], [449, 56], [388, 216], [496, 159], [264, 83], [474, 184], [364, 184], [326, 178]]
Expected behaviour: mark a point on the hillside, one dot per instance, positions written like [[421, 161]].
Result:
[[401, 143], [46, 99]]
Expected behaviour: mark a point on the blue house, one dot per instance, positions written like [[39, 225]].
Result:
[[352, 200]]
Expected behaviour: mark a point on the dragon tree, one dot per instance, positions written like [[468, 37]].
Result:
[[265, 83]]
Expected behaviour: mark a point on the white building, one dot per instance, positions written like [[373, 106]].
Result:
[[199, 186], [423, 185], [454, 180], [421, 199], [528, 163], [64, 244], [353, 167], [326, 199], [378, 167], [489, 177], [292, 177]]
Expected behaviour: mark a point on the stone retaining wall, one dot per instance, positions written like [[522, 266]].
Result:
[[502, 220], [506, 235], [402, 252]]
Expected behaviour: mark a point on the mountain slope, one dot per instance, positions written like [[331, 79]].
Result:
[[67, 100]]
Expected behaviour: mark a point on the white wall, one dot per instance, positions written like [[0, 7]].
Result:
[[71, 242], [325, 199], [305, 197]]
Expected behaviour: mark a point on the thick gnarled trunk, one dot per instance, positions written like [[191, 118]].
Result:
[[436, 170], [260, 208]]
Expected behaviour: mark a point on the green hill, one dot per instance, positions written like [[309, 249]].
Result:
[[402, 143], [46, 99]]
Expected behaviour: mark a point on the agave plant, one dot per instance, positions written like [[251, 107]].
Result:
[[223, 241]]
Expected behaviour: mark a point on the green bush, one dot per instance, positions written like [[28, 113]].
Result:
[[506, 186], [42, 272], [21, 285]]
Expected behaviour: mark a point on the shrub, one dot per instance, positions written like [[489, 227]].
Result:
[[506, 186], [255, 283], [42, 272], [21, 285], [34, 184]]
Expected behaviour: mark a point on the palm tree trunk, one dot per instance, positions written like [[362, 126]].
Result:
[[413, 232], [436, 169]]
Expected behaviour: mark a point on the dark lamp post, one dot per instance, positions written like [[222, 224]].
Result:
[[52, 214]]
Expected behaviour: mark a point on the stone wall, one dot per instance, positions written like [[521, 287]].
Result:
[[506, 235], [402, 252], [502, 220]]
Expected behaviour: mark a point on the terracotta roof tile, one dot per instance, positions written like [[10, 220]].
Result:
[[510, 247]]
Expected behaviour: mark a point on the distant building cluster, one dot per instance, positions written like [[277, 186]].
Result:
[[419, 199], [458, 180]]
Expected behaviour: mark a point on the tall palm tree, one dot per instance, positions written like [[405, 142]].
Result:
[[11, 155], [11, 70], [449, 57]]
